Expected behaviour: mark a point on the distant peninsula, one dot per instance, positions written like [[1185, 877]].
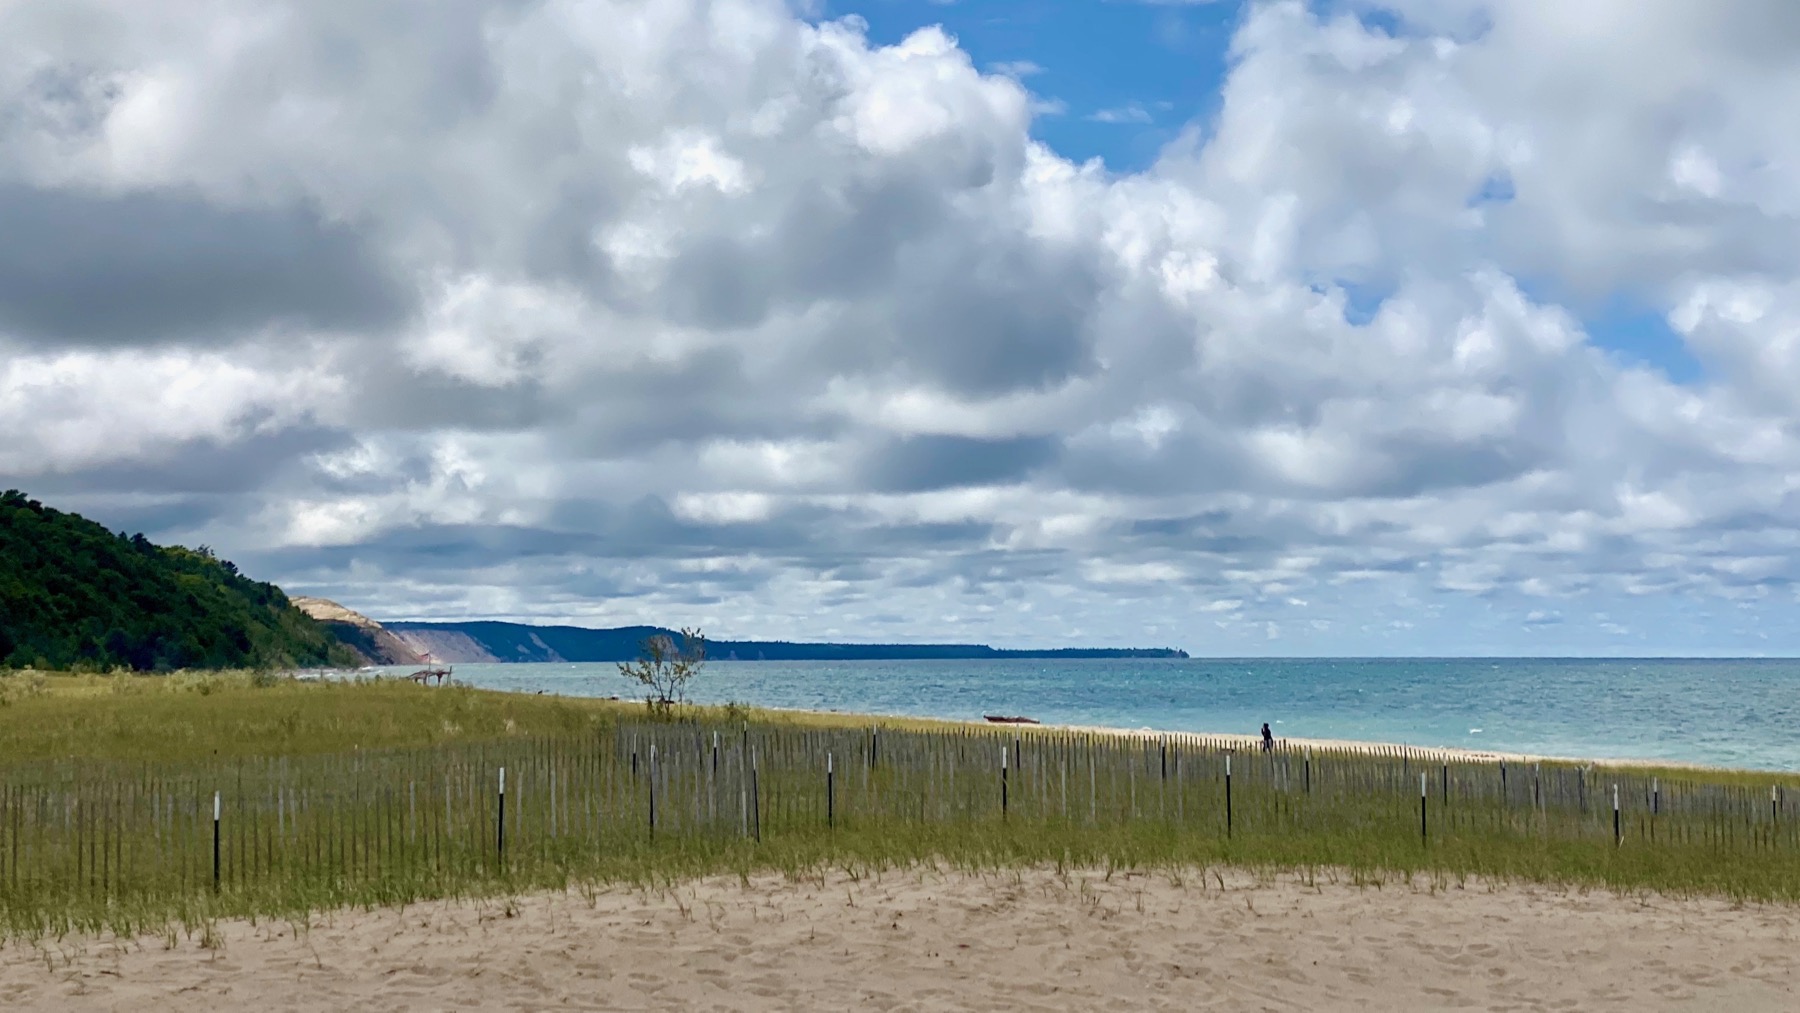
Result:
[[484, 641]]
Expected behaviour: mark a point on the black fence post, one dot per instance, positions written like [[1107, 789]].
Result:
[[1003, 785], [830, 794], [1227, 794], [1619, 835], [215, 842], [1655, 804], [500, 824]]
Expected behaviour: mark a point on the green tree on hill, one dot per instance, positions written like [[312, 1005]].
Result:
[[75, 595]]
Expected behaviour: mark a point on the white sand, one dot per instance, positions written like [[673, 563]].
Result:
[[919, 940]]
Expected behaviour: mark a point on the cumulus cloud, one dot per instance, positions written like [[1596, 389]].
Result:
[[701, 312]]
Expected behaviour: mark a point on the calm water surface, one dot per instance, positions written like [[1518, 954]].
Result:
[[1735, 713]]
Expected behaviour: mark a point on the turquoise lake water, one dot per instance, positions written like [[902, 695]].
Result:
[[1732, 713]]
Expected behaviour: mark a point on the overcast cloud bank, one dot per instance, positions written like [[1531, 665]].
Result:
[[700, 313]]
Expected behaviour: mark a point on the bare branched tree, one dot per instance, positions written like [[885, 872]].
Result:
[[665, 668]]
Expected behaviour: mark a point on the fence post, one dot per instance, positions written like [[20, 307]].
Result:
[[215, 842], [1306, 770], [1618, 835], [1180, 796], [1065, 787], [1003, 754], [755, 797], [652, 770], [500, 824], [1655, 804], [830, 795], [1227, 794], [1093, 787], [1421, 805]]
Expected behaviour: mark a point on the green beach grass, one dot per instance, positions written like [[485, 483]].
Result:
[[335, 794]]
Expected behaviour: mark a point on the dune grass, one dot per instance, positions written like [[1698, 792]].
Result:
[[381, 792], [196, 715], [192, 716]]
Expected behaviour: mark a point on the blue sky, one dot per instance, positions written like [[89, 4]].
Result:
[[1126, 77]]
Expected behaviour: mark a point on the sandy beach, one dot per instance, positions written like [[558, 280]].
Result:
[[942, 941], [1436, 754], [1252, 743]]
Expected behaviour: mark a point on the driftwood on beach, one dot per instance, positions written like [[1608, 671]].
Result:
[[1000, 720]]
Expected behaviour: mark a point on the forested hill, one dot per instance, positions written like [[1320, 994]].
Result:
[[497, 641], [75, 595]]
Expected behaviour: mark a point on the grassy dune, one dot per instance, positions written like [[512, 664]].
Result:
[[203, 716], [380, 793]]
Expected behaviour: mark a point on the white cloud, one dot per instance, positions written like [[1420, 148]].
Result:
[[1016, 68], [700, 311], [688, 158], [1131, 112], [72, 410]]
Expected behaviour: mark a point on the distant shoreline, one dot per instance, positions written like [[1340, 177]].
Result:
[[495, 642]]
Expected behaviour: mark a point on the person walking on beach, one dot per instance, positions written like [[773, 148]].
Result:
[[1268, 739]]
